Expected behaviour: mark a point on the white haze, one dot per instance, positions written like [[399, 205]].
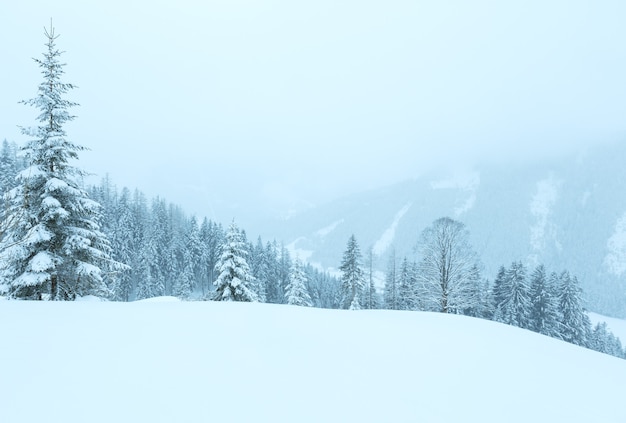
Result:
[[225, 105]]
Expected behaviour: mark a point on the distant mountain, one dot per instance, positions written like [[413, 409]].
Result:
[[567, 214]]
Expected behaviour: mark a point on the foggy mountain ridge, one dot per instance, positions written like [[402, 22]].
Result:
[[565, 213]]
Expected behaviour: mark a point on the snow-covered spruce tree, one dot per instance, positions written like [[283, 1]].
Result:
[[274, 293], [234, 280], [125, 246], [352, 277], [55, 248], [543, 312], [196, 248], [390, 294], [183, 285], [574, 322], [515, 306], [323, 288], [150, 275], [370, 295], [260, 270], [283, 270], [8, 169], [407, 287], [497, 292], [477, 302], [212, 235], [296, 292]]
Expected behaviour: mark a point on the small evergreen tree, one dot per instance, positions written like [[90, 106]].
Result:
[[352, 278], [8, 170], [234, 280], [260, 270], [407, 287], [391, 296], [370, 300], [477, 305], [273, 290], [296, 292], [497, 292]]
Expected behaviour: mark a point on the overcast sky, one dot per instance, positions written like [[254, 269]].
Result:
[[211, 102]]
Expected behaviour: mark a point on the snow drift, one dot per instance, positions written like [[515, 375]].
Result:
[[205, 361]]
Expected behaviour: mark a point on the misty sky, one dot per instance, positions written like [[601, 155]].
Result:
[[211, 103]]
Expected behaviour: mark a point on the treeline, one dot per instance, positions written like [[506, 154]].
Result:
[[446, 278], [170, 253]]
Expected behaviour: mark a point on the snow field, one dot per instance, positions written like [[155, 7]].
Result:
[[206, 361]]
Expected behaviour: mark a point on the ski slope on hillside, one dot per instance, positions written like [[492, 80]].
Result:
[[169, 361]]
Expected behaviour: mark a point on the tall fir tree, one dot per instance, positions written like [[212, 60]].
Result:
[[352, 277], [235, 279], [574, 322], [150, 273], [543, 312], [125, 246], [54, 248], [515, 306]]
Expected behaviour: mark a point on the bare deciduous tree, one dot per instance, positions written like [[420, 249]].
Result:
[[445, 269]]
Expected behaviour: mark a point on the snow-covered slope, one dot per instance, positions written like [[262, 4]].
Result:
[[204, 361]]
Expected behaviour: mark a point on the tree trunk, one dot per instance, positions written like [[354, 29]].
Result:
[[53, 288]]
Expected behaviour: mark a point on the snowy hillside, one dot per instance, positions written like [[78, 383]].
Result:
[[564, 213], [203, 361]]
